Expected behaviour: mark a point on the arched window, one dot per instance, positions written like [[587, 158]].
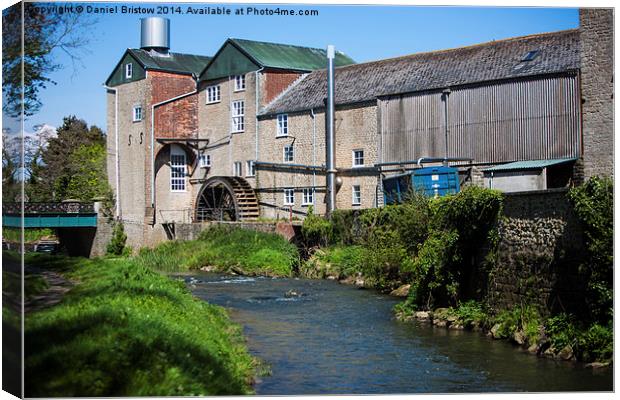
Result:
[[178, 168]]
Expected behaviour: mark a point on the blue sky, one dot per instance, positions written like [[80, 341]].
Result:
[[363, 32]]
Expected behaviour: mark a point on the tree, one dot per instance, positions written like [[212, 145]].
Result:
[[44, 33], [72, 165]]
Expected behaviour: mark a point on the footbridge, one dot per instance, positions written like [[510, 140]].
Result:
[[49, 215]]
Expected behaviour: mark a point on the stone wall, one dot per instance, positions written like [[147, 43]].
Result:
[[540, 249], [597, 73]]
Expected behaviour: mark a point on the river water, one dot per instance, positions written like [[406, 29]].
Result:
[[336, 339]]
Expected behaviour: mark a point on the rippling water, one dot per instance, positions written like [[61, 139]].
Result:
[[320, 337]]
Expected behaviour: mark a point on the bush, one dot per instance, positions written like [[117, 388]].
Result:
[[117, 245], [524, 319], [317, 230], [470, 312], [593, 203]]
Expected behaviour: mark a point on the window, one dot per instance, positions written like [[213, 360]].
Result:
[[238, 112], [178, 169], [250, 168], [356, 191], [289, 153], [289, 197], [358, 158], [137, 113], [237, 168], [239, 82], [205, 160], [128, 71], [213, 94], [530, 55], [308, 197], [282, 125]]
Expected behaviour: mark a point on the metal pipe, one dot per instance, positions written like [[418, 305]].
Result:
[[330, 140], [289, 165], [446, 94], [256, 92], [313, 115], [424, 160], [179, 97], [117, 172]]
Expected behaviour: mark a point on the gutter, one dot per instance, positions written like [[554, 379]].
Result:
[[153, 137], [117, 173]]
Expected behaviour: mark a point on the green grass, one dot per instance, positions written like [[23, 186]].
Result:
[[125, 330], [30, 234], [225, 249], [340, 261]]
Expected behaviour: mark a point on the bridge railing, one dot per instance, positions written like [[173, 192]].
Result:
[[69, 207]]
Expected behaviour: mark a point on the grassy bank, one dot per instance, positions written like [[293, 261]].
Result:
[[30, 235], [225, 249], [125, 330]]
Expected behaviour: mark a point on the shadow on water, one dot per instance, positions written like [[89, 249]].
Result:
[[320, 337]]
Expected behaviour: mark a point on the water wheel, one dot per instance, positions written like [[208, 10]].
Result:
[[226, 198]]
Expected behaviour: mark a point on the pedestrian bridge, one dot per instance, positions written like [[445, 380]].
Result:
[[49, 215]]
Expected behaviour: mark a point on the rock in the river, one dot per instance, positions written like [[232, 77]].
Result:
[[423, 315], [442, 323], [402, 291], [494, 331], [208, 268], [533, 349], [359, 282], [292, 293], [566, 353], [519, 338], [597, 365]]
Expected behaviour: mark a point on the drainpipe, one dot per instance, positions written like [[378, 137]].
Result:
[[330, 140], [153, 137], [446, 94], [313, 146], [256, 90], [117, 173]]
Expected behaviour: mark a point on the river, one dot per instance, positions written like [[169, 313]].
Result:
[[336, 339]]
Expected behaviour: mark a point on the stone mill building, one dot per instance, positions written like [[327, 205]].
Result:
[[240, 134]]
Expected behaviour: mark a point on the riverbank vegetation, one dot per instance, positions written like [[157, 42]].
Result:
[[30, 235], [125, 330], [224, 248], [442, 249]]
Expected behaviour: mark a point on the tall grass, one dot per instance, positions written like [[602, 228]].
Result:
[[30, 234], [125, 330], [223, 249]]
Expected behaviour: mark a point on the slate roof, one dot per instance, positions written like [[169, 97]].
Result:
[[286, 56], [173, 62], [558, 52], [532, 164]]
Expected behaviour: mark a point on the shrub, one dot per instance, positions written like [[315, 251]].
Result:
[[470, 312], [117, 245], [524, 319], [597, 343], [317, 230]]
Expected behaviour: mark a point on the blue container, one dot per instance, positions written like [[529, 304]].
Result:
[[432, 181]]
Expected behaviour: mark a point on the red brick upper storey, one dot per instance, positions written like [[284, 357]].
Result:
[[177, 119], [276, 82]]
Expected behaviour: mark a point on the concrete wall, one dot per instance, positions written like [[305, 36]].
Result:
[[597, 73], [515, 181]]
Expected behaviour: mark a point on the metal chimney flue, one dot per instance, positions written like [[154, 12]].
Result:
[[330, 140], [155, 34]]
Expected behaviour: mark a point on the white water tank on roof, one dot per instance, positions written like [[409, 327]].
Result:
[[155, 34]]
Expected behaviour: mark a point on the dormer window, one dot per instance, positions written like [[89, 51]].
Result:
[[530, 55], [239, 82], [128, 71]]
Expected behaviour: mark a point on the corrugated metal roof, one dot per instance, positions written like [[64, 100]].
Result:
[[558, 52], [524, 165], [172, 62], [285, 56]]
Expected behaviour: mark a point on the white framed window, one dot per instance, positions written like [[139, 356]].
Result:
[[205, 160], [128, 70], [356, 195], [250, 168], [137, 113], [282, 125], [238, 113], [239, 82], [289, 197], [358, 158], [178, 169], [214, 94], [237, 168], [288, 154], [307, 197]]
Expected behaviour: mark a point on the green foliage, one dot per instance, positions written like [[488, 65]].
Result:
[[89, 179], [118, 242], [226, 248], [593, 203], [30, 234], [317, 230], [594, 343], [471, 312], [125, 330], [561, 331], [526, 319], [339, 261]]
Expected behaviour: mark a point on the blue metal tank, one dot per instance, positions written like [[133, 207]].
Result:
[[432, 181]]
